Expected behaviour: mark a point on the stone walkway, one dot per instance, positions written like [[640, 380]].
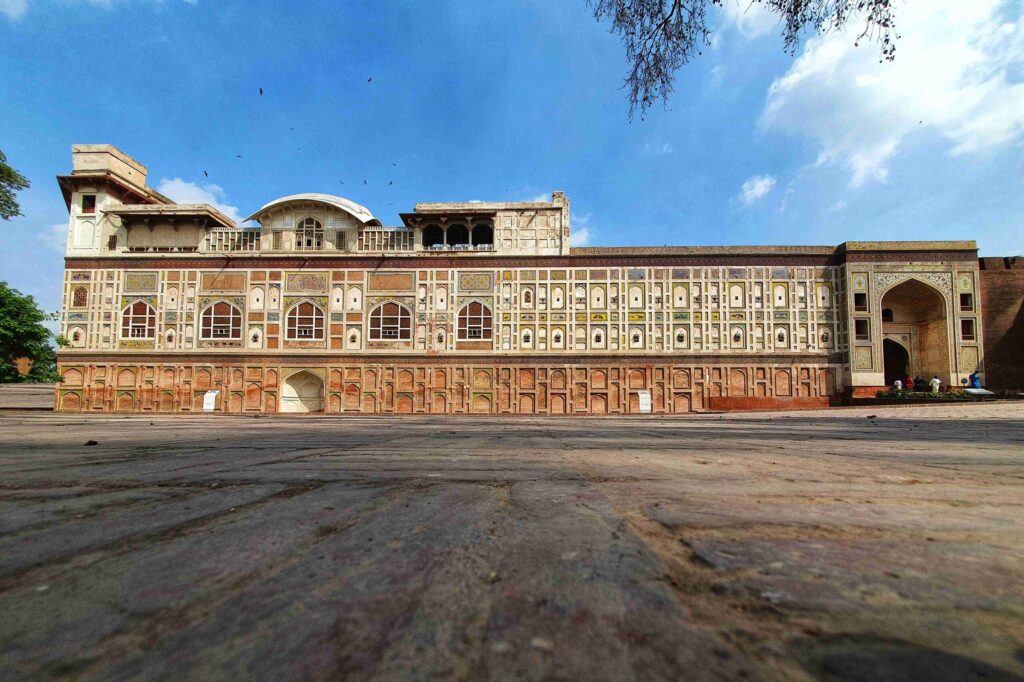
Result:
[[822, 545]]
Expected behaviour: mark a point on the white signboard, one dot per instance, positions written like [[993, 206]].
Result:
[[645, 402], [210, 401]]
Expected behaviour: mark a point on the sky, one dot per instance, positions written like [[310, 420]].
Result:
[[508, 101]]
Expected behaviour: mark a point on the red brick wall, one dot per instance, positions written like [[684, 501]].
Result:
[[1002, 309], [449, 387]]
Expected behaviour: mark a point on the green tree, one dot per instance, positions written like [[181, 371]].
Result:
[[10, 182], [23, 335], [662, 36]]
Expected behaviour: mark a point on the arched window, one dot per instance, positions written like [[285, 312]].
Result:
[[597, 340], [221, 321], [256, 298], [825, 337], [737, 337], [390, 322], [79, 297], [138, 321], [353, 338], [255, 337], [474, 321], [305, 322], [527, 338], [527, 298], [597, 297], [556, 338], [636, 339], [886, 314], [483, 235], [680, 337], [309, 235], [458, 235], [779, 293], [433, 236], [780, 337]]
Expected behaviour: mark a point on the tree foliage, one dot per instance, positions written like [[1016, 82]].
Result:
[[10, 182], [662, 36], [22, 334]]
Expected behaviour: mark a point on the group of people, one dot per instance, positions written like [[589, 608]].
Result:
[[917, 384], [935, 385]]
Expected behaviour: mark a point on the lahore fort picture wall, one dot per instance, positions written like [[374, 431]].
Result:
[[312, 305]]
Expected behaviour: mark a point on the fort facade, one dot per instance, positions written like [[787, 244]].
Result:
[[312, 305]]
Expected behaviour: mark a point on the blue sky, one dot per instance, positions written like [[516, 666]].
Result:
[[508, 101]]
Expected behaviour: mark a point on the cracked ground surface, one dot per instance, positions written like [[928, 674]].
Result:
[[814, 545]]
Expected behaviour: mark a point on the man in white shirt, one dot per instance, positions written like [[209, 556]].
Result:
[[935, 383]]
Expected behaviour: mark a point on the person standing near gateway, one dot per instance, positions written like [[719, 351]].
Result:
[[935, 384], [897, 385], [975, 380], [908, 383]]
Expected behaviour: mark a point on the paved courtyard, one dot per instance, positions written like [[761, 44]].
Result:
[[849, 544]]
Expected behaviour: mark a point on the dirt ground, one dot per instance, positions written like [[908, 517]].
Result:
[[850, 544]]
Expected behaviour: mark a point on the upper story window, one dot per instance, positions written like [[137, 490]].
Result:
[[88, 203], [309, 235], [221, 321], [138, 321], [483, 235], [390, 322], [305, 322], [474, 322], [79, 297]]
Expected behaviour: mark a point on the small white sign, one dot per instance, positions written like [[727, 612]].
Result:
[[645, 402], [210, 401]]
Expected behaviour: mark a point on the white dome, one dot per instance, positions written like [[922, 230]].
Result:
[[357, 211]]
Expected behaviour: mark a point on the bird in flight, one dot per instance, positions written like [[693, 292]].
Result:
[[341, 181], [391, 183], [369, 79], [206, 174], [364, 182], [261, 92], [238, 156]]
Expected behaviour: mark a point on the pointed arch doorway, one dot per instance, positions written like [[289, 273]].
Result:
[[302, 392], [897, 361]]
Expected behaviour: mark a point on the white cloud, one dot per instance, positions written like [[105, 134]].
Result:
[[55, 237], [580, 231], [750, 18], [957, 71], [654, 149], [13, 8], [756, 188], [184, 192]]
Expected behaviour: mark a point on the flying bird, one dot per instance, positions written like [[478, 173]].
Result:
[[261, 92], [341, 181], [391, 183], [394, 164], [206, 174], [369, 79], [238, 156], [364, 182]]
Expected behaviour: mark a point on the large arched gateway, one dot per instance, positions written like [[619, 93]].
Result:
[[914, 321]]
